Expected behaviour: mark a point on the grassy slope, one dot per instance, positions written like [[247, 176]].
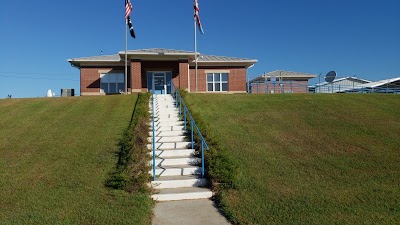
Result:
[[310, 159], [55, 155]]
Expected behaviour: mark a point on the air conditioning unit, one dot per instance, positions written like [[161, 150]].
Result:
[[67, 92]]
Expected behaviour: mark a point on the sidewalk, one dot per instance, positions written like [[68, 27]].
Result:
[[193, 212]]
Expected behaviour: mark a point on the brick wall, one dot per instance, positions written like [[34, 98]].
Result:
[[183, 74], [236, 78], [136, 75], [90, 78]]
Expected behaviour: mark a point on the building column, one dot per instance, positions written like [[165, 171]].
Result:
[[136, 75], [183, 74]]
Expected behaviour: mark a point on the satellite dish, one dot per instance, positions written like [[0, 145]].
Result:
[[330, 76]]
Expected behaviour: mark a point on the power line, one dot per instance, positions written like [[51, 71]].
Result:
[[38, 73], [37, 78]]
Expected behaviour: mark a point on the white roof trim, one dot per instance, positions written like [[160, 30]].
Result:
[[235, 61], [344, 78], [91, 60], [379, 83]]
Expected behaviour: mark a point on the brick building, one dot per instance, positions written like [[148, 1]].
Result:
[[155, 68]]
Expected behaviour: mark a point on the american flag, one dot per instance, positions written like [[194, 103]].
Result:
[[196, 16], [128, 8]]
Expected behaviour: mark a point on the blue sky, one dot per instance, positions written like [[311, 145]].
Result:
[[352, 37]]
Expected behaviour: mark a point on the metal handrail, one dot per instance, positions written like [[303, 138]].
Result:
[[154, 144], [179, 102]]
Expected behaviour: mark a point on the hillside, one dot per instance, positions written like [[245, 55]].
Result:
[[308, 159], [55, 156]]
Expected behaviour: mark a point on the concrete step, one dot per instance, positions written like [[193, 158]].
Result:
[[167, 118], [168, 104], [164, 110], [175, 194], [168, 139], [176, 170], [164, 102], [178, 182], [173, 153], [176, 160], [158, 120], [167, 133], [168, 123], [170, 145], [168, 128], [166, 114], [165, 96]]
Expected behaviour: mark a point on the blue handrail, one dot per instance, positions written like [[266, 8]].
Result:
[[154, 144], [193, 127]]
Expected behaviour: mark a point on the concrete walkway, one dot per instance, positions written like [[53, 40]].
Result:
[[193, 212]]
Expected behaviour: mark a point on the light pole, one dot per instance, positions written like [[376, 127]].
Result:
[[319, 83]]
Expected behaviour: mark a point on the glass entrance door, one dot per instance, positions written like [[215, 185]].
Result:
[[159, 82], [159, 85]]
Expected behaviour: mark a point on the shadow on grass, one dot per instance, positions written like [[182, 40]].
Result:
[[131, 171]]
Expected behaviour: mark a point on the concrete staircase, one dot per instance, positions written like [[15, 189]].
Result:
[[178, 176]]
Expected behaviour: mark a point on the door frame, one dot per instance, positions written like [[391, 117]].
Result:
[[158, 73]]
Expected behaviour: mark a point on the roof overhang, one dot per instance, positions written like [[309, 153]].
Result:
[[81, 63], [392, 81], [241, 63], [161, 55], [139, 54]]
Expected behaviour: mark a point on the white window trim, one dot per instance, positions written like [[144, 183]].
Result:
[[220, 82]]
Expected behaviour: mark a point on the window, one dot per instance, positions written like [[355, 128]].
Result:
[[112, 83], [217, 82]]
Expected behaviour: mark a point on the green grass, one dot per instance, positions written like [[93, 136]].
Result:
[[308, 159], [55, 156]]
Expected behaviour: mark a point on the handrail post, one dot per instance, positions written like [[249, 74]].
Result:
[[184, 116], [176, 98], [180, 105], [154, 144], [202, 158], [191, 124]]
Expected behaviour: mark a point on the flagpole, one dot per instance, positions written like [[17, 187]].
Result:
[[126, 57], [195, 48]]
